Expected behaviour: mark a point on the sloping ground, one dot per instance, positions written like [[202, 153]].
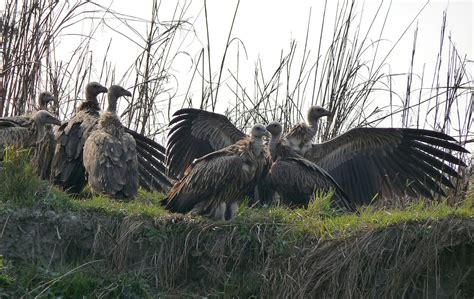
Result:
[[52, 245], [94, 253]]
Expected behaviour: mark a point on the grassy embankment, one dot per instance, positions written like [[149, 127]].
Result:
[[53, 244]]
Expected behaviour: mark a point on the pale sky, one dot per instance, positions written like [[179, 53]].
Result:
[[266, 27]]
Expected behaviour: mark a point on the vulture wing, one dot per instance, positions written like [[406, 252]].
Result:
[[210, 180], [151, 161], [297, 179], [43, 154], [67, 168], [195, 133], [369, 161]]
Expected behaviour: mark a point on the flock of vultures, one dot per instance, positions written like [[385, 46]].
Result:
[[209, 165]]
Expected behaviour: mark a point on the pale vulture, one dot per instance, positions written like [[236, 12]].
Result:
[[110, 154]]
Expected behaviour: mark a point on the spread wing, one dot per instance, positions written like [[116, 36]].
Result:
[[369, 161], [195, 133], [151, 161], [297, 179]]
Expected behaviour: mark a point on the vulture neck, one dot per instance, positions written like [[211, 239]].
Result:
[[256, 146], [272, 146], [313, 126], [112, 108], [91, 98], [37, 130], [43, 105], [109, 121]]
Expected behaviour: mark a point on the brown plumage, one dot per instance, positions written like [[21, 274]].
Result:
[[67, 168], [195, 133], [24, 131], [295, 178], [44, 151], [300, 137], [110, 154], [220, 179], [367, 162]]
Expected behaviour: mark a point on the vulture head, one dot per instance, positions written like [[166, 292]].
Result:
[[93, 89], [44, 98], [115, 92], [43, 117], [258, 131], [275, 128], [316, 112]]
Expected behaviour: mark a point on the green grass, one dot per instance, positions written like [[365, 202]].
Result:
[[19, 186], [18, 181]]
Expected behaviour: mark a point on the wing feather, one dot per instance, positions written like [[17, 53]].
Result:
[[368, 161], [194, 133]]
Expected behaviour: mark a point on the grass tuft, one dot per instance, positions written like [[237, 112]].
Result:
[[18, 181]]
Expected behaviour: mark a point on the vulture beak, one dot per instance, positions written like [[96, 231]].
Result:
[[103, 89], [267, 134], [56, 122], [127, 93], [328, 113]]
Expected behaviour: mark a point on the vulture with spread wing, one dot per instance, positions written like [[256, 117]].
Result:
[[67, 169], [110, 154], [213, 184], [367, 162], [25, 131], [295, 178], [44, 151]]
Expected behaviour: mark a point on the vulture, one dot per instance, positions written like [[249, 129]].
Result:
[[295, 178], [68, 169], [300, 137], [110, 153], [213, 184], [25, 131], [365, 162], [44, 151]]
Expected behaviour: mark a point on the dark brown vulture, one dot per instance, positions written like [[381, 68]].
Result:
[[44, 151], [300, 137], [25, 131], [67, 169], [220, 179], [367, 162], [110, 154], [296, 179]]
